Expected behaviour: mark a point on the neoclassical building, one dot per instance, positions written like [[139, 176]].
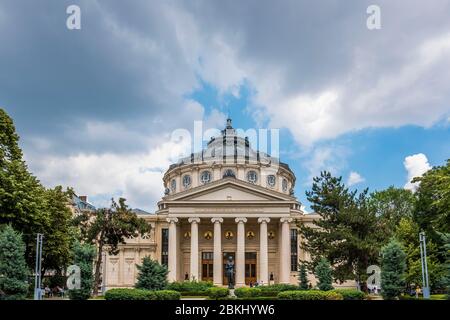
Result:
[[227, 200]]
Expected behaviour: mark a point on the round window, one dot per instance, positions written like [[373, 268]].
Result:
[[271, 180], [252, 177], [173, 185], [186, 181], [205, 177], [285, 185]]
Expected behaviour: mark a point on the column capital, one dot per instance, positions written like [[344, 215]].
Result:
[[219, 220], [240, 219], [263, 220], [172, 220], [286, 219], [194, 220]]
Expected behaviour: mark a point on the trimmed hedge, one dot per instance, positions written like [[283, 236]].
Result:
[[167, 295], [191, 288], [350, 294], [217, 293], [275, 289], [129, 294], [245, 292], [309, 295]]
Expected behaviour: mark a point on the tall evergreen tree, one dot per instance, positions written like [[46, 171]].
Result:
[[393, 266], [13, 268], [324, 274], [152, 275], [83, 257], [303, 277], [347, 234], [107, 228]]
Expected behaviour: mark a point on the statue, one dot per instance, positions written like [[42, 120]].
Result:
[[229, 267]]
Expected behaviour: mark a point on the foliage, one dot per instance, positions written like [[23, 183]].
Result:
[[152, 275], [391, 205], [273, 290], [393, 266], [167, 295], [107, 228], [83, 255], [347, 234], [303, 277], [324, 274], [191, 288], [13, 268], [129, 294], [309, 295], [245, 292], [217, 293], [351, 294]]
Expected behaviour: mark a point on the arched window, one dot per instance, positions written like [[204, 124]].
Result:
[[187, 181], [252, 177], [271, 179], [173, 185], [205, 177]]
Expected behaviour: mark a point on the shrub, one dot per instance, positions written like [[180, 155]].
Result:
[[393, 266], [309, 295], [129, 294], [217, 293], [83, 256], [247, 292], [167, 295], [273, 290], [351, 294], [324, 274], [152, 275], [191, 288]]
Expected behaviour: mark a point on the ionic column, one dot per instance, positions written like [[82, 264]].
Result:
[[218, 276], [172, 263], [263, 251], [285, 256], [194, 248], [240, 252]]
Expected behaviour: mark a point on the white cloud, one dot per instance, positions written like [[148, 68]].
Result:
[[416, 165], [354, 178]]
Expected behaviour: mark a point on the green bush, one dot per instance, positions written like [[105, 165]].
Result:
[[309, 295], [217, 293], [167, 295], [129, 294], [191, 288], [273, 290], [350, 294], [245, 292]]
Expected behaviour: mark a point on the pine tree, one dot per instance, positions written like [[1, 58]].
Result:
[[303, 277], [13, 268], [152, 275], [324, 275], [83, 256], [393, 266]]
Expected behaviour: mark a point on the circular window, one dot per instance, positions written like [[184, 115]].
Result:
[[229, 235], [173, 185], [208, 235], [271, 180], [205, 177], [284, 185], [186, 181], [252, 177]]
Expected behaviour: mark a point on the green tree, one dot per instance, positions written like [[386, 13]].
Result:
[[152, 275], [324, 275], [393, 266], [303, 277], [13, 268], [391, 205], [347, 234], [83, 256], [107, 228]]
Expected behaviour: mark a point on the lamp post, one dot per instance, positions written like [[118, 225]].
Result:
[[38, 267], [423, 260]]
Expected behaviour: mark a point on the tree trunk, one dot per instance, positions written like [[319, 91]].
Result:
[[98, 265]]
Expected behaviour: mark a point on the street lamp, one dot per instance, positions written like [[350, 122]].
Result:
[[423, 260], [38, 267]]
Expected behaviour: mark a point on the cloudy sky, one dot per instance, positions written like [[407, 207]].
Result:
[[95, 107]]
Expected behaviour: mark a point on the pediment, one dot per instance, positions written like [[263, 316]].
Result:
[[229, 189]]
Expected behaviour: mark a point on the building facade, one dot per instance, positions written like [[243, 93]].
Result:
[[228, 200]]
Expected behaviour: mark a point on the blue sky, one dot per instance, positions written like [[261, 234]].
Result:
[[96, 107]]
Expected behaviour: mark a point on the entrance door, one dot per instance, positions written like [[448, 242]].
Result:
[[250, 267], [207, 266], [225, 259]]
